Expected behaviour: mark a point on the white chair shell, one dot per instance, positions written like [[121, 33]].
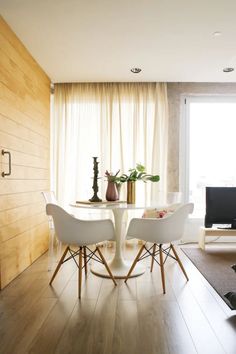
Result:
[[161, 230], [78, 232], [49, 197]]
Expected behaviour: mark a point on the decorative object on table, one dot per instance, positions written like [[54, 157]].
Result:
[[131, 192], [137, 173], [112, 192], [95, 197]]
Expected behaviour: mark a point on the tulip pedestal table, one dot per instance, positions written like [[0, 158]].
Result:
[[118, 264]]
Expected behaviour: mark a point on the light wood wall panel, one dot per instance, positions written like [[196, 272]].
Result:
[[26, 172], [18, 227], [19, 252], [24, 131], [11, 201], [21, 145], [8, 217], [8, 125], [7, 110]]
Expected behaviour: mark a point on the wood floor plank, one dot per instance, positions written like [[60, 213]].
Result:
[[152, 333], [75, 335], [222, 322], [20, 332], [50, 332], [127, 291], [101, 330], [126, 328], [178, 337], [203, 336], [164, 311], [132, 318]]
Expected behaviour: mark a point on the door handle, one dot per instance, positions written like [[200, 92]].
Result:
[[4, 152]]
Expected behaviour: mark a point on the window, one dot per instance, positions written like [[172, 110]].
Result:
[[208, 147]]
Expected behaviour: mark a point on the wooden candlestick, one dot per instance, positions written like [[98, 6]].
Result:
[[95, 197]]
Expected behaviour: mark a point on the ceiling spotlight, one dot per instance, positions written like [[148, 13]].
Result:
[[217, 34], [136, 70], [228, 70]]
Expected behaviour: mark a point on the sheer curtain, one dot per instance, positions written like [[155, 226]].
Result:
[[120, 123]]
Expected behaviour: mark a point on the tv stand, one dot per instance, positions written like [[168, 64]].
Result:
[[225, 228], [215, 232]]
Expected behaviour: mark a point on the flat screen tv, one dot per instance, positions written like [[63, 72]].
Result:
[[220, 206]]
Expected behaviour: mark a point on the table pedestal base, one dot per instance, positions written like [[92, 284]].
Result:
[[119, 269]]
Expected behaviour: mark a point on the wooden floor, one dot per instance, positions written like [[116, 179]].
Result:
[[135, 318]]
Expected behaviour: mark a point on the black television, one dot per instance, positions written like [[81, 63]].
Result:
[[220, 206]]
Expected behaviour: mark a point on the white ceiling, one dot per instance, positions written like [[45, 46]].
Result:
[[101, 40]]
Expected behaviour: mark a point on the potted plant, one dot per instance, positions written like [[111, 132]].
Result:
[[135, 174]]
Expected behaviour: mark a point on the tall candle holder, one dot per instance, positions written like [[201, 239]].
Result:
[[95, 197]]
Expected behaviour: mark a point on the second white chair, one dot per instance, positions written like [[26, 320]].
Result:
[[49, 197], [80, 234], [159, 232]]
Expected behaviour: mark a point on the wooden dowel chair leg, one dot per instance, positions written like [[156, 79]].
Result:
[[80, 270], [153, 256], [162, 270], [106, 265], [134, 262], [179, 261], [59, 265], [85, 261]]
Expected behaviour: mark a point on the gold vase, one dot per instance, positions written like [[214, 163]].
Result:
[[130, 192]]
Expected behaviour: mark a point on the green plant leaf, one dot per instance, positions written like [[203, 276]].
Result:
[[123, 178], [140, 168], [140, 175], [135, 174], [154, 178]]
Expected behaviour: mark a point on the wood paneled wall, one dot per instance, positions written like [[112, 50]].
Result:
[[24, 131]]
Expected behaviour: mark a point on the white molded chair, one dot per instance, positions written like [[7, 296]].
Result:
[[49, 197], [80, 233], [159, 232]]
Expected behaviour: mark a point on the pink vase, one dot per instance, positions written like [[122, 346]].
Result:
[[111, 193]]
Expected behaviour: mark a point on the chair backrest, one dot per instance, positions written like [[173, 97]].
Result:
[[163, 230], [49, 197], [70, 230]]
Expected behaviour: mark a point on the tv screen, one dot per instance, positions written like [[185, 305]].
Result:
[[220, 206]]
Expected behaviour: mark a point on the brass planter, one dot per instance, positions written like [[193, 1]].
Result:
[[130, 192]]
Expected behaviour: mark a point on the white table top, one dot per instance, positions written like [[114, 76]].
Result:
[[117, 205]]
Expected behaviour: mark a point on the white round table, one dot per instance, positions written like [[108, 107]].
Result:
[[119, 265]]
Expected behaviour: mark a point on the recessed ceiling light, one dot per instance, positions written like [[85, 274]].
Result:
[[216, 34], [136, 70], [228, 70]]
